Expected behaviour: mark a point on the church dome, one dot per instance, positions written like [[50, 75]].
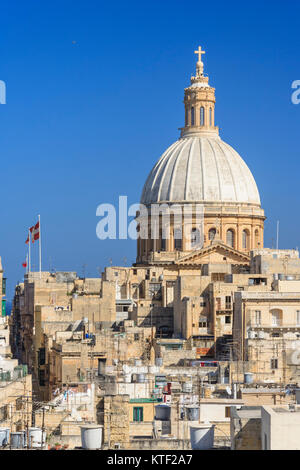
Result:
[[200, 168], [199, 171]]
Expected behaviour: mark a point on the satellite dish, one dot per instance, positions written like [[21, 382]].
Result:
[[228, 390]]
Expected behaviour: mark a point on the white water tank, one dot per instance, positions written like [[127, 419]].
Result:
[[202, 437], [18, 440], [162, 412], [35, 438], [187, 387], [248, 378], [192, 413], [127, 378], [91, 436], [4, 436], [251, 334]]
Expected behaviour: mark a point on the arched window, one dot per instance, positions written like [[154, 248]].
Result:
[[195, 237], [230, 238], [276, 317], [245, 239], [256, 235], [162, 243], [192, 116], [201, 116], [211, 234], [210, 116], [177, 238]]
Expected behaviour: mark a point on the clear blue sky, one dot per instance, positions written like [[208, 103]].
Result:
[[85, 121]]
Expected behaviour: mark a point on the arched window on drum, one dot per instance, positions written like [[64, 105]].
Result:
[[245, 239], [230, 238], [211, 234], [202, 116], [195, 238], [256, 236], [192, 116]]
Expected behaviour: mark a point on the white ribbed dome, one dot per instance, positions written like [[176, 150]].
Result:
[[200, 168]]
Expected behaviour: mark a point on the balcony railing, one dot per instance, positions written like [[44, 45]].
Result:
[[254, 324]]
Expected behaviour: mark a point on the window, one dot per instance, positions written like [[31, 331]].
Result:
[[3, 413], [155, 290], [256, 235], [192, 116], [177, 239], [41, 356], [228, 302], [163, 244], [135, 272], [257, 317], [4, 286], [274, 363], [212, 234], [276, 317], [138, 414], [210, 116], [298, 317], [135, 291], [195, 237], [227, 319], [245, 239], [227, 411], [42, 380], [136, 336], [230, 238], [201, 116]]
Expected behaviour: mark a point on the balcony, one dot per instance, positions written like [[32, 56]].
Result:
[[253, 324]]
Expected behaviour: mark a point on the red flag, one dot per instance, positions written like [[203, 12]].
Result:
[[35, 232], [24, 265], [27, 240]]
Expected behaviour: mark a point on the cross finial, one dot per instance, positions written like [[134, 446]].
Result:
[[199, 52]]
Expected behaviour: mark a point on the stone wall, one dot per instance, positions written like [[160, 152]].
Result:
[[116, 421]]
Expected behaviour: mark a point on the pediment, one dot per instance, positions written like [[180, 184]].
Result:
[[214, 253]]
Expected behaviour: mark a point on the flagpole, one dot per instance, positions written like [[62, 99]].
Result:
[[29, 257], [40, 246]]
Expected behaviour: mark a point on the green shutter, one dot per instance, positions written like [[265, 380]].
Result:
[[138, 413], [3, 308], [4, 286]]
